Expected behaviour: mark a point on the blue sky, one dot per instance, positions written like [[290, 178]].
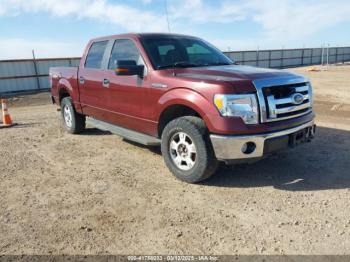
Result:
[[56, 28]]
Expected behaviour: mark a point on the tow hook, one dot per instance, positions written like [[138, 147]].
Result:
[[311, 133]]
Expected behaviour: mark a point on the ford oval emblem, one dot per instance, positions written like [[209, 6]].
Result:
[[297, 98]]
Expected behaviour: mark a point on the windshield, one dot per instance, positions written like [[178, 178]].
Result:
[[182, 51]]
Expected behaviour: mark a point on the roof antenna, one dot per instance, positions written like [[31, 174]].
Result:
[[174, 71], [166, 14]]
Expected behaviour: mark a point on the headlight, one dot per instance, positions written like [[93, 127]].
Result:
[[243, 106], [310, 95]]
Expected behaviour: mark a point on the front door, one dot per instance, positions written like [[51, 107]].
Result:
[[127, 94]]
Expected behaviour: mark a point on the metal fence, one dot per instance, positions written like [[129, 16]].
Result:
[[287, 58], [31, 75]]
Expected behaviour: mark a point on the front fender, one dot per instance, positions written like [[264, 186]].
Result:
[[189, 98]]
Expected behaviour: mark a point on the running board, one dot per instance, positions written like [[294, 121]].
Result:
[[124, 132]]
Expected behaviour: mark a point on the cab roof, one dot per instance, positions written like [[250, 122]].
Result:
[[140, 35]]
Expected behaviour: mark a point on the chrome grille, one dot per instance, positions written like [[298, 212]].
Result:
[[281, 99], [281, 103]]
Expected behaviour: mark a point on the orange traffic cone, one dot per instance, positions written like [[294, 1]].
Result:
[[6, 118]]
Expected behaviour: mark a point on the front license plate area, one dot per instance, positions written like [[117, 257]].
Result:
[[300, 137]]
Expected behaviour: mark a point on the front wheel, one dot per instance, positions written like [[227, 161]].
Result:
[[73, 122], [187, 149]]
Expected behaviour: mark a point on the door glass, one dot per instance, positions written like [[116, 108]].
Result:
[[95, 55], [124, 49]]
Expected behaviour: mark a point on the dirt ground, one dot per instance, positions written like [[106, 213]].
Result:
[[95, 193]]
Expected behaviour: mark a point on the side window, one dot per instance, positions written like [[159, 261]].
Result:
[[124, 49], [95, 55]]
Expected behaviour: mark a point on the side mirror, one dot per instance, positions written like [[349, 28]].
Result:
[[129, 68]]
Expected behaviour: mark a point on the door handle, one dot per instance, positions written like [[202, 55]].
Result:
[[105, 82], [81, 80]]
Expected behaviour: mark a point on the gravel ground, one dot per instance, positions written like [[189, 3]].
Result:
[[95, 193]]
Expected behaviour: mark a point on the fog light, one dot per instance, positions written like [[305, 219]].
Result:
[[248, 148]]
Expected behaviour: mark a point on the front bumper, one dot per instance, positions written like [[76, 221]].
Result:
[[255, 146]]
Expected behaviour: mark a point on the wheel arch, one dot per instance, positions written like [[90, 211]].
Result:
[[175, 111], [182, 102], [62, 94], [65, 89]]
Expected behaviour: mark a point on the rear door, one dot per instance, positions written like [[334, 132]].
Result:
[[93, 93]]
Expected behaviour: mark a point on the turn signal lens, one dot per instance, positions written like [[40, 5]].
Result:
[[121, 70], [218, 101]]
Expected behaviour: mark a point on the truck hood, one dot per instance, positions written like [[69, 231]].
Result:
[[232, 73]]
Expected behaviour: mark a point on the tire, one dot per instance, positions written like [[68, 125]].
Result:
[[73, 122], [187, 149]]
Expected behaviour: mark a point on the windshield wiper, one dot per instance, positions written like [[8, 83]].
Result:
[[178, 64], [219, 64]]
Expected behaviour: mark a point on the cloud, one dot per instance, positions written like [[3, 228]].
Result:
[[12, 48], [282, 22], [126, 16], [287, 19], [295, 19], [198, 11], [279, 19]]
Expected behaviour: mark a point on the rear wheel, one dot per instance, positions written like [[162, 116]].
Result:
[[187, 149], [73, 122]]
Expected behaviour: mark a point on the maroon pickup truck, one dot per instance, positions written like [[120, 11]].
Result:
[[185, 95]]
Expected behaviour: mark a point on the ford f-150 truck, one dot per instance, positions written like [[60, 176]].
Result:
[[183, 94]]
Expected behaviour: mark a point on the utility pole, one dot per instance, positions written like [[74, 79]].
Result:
[[36, 70]]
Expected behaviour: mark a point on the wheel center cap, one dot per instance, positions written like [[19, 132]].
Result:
[[182, 150]]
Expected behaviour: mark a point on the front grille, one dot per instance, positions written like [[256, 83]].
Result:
[[287, 101]]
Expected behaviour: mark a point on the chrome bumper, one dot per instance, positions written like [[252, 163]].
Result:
[[249, 146]]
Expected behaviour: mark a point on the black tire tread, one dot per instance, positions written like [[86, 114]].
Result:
[[200, 134], [79, 120]]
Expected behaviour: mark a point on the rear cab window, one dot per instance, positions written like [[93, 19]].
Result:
[[95, 55]]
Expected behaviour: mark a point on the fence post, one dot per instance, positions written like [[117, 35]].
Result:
[[302, 57], [282, 57], [269, 58], [257, 56], [327, 55], [336, 55], [36, 70]]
